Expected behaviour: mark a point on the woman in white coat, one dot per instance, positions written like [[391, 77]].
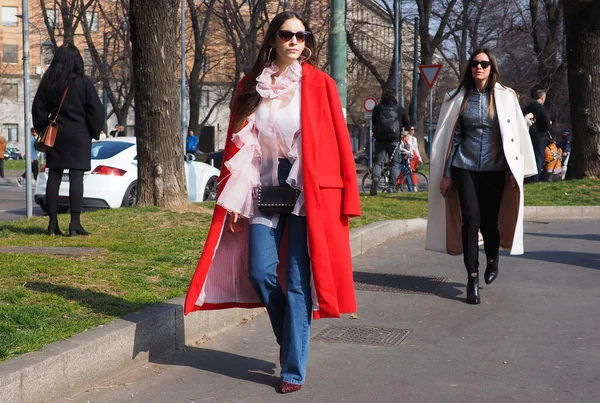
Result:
[[480, 155]]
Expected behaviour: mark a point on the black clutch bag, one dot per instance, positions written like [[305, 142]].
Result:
[[276, 199]]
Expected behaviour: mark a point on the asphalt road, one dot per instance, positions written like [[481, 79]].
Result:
[[534, 338], [13, 200]]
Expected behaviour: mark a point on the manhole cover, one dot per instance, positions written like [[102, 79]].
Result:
[[372, 336], [49, 250], [397, 283]]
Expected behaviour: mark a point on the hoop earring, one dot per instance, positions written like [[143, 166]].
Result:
[[307, 57], [269, 55]]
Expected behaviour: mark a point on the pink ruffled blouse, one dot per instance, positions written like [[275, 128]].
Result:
[[272, 132]]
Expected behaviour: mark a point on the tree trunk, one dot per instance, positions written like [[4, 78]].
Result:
[[161, 177], [582, 27]]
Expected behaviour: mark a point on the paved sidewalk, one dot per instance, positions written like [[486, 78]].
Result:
[[534, 338]]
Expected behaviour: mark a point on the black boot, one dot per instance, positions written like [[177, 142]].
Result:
[[75, 227], [53, 225], [374, 186], [491, 270], [473, 289]]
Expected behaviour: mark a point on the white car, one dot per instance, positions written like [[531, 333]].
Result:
[[112, 181]]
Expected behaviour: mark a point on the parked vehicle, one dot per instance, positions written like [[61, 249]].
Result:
[[112, 181], [12, 153]]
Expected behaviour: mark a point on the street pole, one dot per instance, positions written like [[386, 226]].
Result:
[[183, 119], [337, 48], [105, 80], [26, 96], [400, 58], [413, 106], [396, 45]]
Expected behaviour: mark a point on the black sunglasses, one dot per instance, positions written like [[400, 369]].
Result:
[[288, 35], [484, 64]]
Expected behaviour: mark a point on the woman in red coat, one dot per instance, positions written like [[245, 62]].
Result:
[[287, 129]]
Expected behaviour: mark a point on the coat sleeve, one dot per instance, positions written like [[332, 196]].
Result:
[[39, 112], [351, 207], [94, 111], [526, 148]]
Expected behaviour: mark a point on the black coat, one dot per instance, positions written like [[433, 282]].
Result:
[[542, 120], [80, 119]]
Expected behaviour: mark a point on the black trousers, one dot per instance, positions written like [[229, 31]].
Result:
[[75, 190], [480, 195]]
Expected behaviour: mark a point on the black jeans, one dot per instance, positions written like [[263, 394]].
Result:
[[35, 169], [75, 189], [480, 195], [381, 150]]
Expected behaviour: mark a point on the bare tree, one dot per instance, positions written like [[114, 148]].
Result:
[[116, 74], [62, 17], [160, 170], [582, 26]]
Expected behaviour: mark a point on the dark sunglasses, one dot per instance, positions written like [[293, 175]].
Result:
[[288, 35], [484, 64]]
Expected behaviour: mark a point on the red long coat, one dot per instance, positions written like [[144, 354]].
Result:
[[331, 198]]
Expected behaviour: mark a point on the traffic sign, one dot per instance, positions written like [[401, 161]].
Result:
[[369, 104], [430, 73]]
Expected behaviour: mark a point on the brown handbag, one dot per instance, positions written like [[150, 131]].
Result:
[[47, 139]]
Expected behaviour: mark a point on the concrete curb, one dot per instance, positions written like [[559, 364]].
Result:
[[66, 367], [69, 366]]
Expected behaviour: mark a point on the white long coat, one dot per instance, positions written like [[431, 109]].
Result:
[[444, 221]]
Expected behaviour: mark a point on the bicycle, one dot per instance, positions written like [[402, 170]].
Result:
[[400, 184]]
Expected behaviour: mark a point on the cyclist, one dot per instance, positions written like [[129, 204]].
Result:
[[388, 120]]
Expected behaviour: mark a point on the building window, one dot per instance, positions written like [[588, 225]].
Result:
[[9, 16], [10, 91], [10, 54], [87, 62], [92, 21], [53, 22], [204, 98], [11, 131], [205, 63]]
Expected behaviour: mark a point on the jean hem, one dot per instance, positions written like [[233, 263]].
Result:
[[292, 381]]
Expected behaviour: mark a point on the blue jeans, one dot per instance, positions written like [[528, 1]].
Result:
[[405, 170], [539, 148], [290, 315]]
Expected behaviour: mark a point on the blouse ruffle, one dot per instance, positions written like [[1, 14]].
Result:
[[245, 166]]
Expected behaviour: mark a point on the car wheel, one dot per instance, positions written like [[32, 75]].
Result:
[[210, 191], [43, 207], [131, 196], [62, 209]]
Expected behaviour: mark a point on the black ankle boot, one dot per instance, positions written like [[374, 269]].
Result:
[[473, 290], [491, 270], [53, 230], [78, 230]]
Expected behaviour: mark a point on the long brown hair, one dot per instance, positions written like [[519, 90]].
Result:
[[468, 81], [247, 99]]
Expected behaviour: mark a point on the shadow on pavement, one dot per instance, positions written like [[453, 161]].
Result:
[[585, 237], [581, 259], [224, 363]]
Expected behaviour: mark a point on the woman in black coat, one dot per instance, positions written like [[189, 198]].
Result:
[[80, 119]]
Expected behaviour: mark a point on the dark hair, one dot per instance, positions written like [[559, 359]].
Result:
[[388, 96], [247, 99], [468, 81], [538, 93], [66, 66]]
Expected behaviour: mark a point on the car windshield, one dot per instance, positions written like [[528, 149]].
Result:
[[102, 150]]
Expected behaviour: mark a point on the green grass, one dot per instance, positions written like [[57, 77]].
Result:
[[148, 255], [18, 165]]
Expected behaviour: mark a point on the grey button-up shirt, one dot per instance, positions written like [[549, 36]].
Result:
[[477, 143]]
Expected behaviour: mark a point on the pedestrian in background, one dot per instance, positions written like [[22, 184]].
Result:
[[2, 151], [34, 160], [80, 119], [540, 129], [480, 154], [191, 143], [287, 129], [389, 118]]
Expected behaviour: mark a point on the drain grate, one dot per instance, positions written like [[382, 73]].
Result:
[[383, 282], [372, 336]]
